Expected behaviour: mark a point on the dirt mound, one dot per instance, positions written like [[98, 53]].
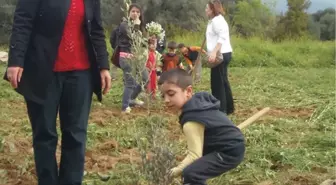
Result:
[[19, 170], [97, 162]]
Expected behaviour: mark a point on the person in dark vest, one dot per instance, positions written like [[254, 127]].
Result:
[[215, 144], [57, 60]]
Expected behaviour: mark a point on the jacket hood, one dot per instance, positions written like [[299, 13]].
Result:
[[201, 101]]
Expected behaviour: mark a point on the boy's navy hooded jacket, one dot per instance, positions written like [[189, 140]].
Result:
[[220, 134]]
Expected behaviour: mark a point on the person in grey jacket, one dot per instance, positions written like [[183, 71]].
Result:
[[124, 43]]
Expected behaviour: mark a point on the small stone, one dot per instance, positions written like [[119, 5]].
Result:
[[103, 177], [329, 182], [3, 173], [266, 183], [12, 148], [31, 151], [3, 56]]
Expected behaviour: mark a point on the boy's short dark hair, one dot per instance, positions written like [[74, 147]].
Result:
[[172, 45], [181, 45], [177, 76]]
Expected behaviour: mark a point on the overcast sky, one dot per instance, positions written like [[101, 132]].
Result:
[[281, 5]]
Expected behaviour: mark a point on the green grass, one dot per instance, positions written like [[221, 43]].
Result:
[[295, 142]]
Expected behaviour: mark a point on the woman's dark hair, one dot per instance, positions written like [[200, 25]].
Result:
[[142, 24], [216, 7]]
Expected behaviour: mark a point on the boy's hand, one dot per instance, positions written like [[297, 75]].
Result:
[[174, 172]]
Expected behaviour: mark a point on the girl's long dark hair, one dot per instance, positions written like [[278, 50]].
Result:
[[142, 24]]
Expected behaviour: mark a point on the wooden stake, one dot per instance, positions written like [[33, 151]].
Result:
[[198, 60], [253, 118]]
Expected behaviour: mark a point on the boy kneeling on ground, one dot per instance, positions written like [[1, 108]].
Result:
[[215, 144]]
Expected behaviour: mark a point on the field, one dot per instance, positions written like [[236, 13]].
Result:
[[294, 144]]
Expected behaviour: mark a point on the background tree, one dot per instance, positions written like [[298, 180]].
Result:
[[326, 21], [314, 27], [6, 13], [253, 18], [246, 18], [295, 22]]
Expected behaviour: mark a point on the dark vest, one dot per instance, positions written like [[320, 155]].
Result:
[[220, 134]]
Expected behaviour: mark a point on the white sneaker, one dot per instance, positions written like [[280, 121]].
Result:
[[137, 102], [127, 110]]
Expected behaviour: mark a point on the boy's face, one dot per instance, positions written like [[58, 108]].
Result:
[[174, 96], [184, 50], [171, 50]]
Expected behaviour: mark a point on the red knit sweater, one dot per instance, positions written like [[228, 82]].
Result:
[[72, 51]]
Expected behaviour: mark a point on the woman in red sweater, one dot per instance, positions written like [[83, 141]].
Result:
[[57, 59]]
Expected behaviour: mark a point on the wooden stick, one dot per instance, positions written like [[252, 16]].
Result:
[[253, 118], [198, 60]]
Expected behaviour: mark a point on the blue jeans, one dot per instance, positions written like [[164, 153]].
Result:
[[70, 94], [131, 87], [213, 165]]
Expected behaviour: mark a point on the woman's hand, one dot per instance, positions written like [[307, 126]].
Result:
[[212, 57], [14, 75], [105, 80]]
